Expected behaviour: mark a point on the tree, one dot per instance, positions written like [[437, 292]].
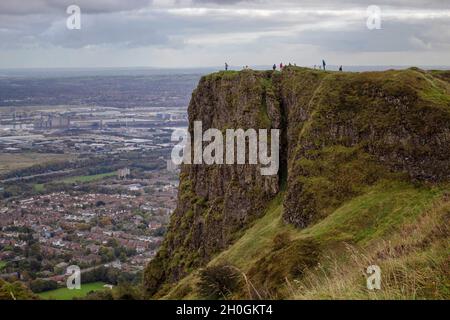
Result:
[[40, 285], [15, 291]]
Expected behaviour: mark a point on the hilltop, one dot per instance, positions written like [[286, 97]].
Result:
[[364, 179]]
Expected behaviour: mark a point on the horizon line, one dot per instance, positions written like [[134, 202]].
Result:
[[216, 66]]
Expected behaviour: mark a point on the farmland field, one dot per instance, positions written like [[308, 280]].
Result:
[[77, 179], [15, 161], [88, 178]]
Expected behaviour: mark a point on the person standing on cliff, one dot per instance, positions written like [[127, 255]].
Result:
[[274, 67], [226, 66], [324, 64], [340, 68]]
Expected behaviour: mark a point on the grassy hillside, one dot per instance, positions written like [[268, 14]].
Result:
[[398, 226]]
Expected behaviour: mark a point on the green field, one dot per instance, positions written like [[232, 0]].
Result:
[[66, 294], [2, 265], [77, 179], [88, 178]]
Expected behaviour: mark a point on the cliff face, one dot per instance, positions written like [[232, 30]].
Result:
[[216, 202], [346, 131], [340, 134]]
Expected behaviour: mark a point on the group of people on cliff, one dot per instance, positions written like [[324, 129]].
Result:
[[282, 66]]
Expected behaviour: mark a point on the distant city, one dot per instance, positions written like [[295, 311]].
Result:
[[84, 173]]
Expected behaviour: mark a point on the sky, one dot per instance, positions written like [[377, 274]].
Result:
[[204, 33]]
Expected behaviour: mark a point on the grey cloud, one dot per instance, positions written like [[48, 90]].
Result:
[[225, 2], [393, 37], [113, 29], [102, 6], [156, 28], [55, 6], [365, 3], [120, 25]]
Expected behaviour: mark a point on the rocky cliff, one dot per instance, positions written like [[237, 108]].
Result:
[[341, 134]]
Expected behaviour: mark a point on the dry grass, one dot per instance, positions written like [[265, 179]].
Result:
[[414, 264]]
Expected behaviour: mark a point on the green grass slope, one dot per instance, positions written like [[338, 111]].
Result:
[[398, 226]]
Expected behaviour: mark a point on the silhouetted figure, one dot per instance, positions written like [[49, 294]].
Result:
[[274, 67], [324, 64], [226, 66], [340, 68], [281, 66]]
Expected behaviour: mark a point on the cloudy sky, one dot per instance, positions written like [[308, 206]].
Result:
[[193, 33]]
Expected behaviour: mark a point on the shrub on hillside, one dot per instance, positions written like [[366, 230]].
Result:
[[275, 269], [218, 281]]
